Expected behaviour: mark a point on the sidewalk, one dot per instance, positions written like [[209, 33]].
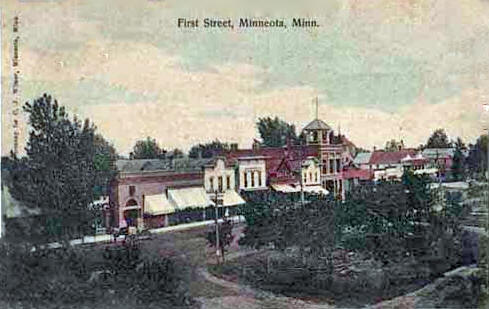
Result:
[[161, 230]]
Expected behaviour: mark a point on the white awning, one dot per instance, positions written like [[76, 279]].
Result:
[[426, 171], [158, 205], [316, 190], [189, 198], [232, 198], [286, 188]]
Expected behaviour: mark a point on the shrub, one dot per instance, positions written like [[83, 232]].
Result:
[[74, 276]]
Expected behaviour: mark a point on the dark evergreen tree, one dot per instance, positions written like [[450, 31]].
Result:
[[477, 159], [458, 165], [438, 139]]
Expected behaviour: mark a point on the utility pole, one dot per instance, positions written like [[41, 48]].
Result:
[[486, 109], [300, 173], [217, 227]]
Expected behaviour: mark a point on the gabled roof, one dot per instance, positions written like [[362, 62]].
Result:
[[362, 158], [390, 157], [317, 124], [432, 153]]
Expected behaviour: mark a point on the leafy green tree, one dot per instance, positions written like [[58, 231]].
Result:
[[225, 236], [274, 132], [438, 139], [65, 160], [208, 150], [283, 224], [458, 165], [147, 149], [177, 153], [393, 145]]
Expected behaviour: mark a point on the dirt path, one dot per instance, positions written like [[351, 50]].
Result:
[[248, 297]]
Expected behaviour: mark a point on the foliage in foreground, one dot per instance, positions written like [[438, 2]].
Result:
[[67, 166], [74, 276], [387, 221]]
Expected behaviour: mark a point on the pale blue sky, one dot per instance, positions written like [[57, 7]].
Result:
[[385, 58]]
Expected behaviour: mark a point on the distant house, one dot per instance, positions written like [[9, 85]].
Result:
[[356, 176], [362, 160], [440, 158], [388, 165]]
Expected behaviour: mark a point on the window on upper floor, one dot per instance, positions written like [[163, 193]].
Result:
[[219, 181], [132, 190], [228, 182], [245, 177], [259, 179], [211, 184], [252, 179]]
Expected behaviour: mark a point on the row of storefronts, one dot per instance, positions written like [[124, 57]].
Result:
[[154, 192]]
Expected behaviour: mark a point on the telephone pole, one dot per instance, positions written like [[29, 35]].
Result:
[[217, 226]]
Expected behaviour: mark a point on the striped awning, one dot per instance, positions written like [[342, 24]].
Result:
[[232, 198], [157, 205], [195, 197]]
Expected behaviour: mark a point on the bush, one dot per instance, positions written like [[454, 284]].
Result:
[[73, 276]]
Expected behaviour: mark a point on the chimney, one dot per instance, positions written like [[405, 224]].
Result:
[[375, 148]]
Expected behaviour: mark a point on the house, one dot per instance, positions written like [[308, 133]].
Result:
[[356, 176], [388, 165], [419, 165], [362, 160], [440, 158]]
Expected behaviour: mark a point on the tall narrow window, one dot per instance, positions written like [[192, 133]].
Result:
[[228, 182], [219, 181], [259, 178], [252, 179], [338, 165], [132, 190], [245, 177], [211, 184], [310, 177]]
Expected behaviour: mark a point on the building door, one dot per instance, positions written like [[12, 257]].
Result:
[[131, 217]]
